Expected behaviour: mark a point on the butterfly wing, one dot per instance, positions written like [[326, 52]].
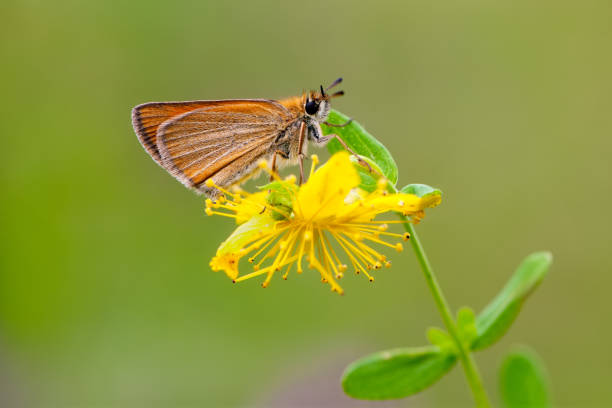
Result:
[[221, 138], [147, 118]]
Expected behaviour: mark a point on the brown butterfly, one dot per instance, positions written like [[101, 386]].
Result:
[[225, 139]]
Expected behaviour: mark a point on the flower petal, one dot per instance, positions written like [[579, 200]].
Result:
[[231, 250], [326, 190]]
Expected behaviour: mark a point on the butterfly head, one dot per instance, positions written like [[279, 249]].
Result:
[[317, 104]]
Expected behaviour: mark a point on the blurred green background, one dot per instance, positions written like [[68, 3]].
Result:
[[106, 297]]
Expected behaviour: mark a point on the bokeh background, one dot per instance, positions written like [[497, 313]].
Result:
[[106, 297]]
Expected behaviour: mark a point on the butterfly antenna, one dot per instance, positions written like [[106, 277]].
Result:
[[339, 93], [336, 82]]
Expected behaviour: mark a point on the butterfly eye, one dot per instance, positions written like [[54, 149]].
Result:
[[311, 107]]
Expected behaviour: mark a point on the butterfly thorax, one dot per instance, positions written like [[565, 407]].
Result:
[[295, 105]]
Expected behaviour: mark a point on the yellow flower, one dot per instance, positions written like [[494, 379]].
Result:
[[285, 224]]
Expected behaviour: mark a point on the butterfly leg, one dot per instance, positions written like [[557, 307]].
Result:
[[323, 141], [273, 165], [280, 153], [301, 136], [301, 163]]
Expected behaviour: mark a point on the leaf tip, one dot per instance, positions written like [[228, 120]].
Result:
[[545, 256]]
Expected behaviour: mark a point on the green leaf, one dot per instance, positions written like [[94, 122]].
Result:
[[442, 339], [466, 325], [369, 180], [523, 380], [420, 190], [396, 373], [361, 142], [497, 316]]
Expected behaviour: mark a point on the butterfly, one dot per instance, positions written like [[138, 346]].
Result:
[[224, 140]]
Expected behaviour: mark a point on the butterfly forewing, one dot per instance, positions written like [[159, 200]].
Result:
[[147, 117], [203, 142]]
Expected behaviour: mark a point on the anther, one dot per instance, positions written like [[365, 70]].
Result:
[[399, 247], [406, 236], [209, 183], [208, 211]]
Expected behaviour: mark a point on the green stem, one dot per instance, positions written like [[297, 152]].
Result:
[[467, 360]]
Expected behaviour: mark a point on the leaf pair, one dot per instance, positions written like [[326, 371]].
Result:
[[407, 371]]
